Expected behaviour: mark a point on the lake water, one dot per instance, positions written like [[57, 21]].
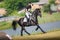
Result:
[[46, 27]]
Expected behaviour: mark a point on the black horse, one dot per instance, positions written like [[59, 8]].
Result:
[[33, 22]]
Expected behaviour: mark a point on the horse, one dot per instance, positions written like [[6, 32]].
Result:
[[4, 36], [33, 22]]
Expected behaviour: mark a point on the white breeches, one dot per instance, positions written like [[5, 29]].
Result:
[[25, 19], [28, 14]]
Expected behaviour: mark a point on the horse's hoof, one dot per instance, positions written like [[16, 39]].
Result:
[[29, 34], [21, 35], [44, 32], [35, 30]]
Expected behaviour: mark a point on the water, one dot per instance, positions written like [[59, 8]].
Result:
[[46, 27]]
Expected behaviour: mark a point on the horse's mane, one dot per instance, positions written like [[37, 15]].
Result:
[[35, 11]]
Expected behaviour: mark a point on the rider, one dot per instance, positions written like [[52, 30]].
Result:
[[27, 16]]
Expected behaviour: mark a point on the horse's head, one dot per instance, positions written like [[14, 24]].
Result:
[[38, 12], [35, 13]]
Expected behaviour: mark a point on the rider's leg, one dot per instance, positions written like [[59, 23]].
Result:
[[27, 19]]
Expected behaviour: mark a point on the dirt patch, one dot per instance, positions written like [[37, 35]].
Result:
[[46, 36]]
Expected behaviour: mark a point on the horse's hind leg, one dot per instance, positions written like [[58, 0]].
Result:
[[40, 29], [26, 31], [21, 31]]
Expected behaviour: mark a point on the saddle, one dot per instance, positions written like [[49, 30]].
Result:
[[28, 22]]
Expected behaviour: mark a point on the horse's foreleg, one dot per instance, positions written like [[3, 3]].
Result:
[[40, 29], [26, 31], [21, 31], [36, 28]]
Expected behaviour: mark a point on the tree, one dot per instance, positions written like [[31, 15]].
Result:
[[11, 5], [52, 1], [1, 0], [47, 6]]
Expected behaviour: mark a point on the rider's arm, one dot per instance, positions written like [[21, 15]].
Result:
[[30, 14]]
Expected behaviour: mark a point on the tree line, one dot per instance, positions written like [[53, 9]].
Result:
[[11, 5]]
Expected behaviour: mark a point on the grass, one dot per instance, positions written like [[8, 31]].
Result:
[[5, 25], [2, 5], [45, 18], [49, 18]]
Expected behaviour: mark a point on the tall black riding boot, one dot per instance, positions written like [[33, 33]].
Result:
[[28, 21]]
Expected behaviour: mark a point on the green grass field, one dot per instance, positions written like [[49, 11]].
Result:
[[49, 18], [45, 18], [5, 25]]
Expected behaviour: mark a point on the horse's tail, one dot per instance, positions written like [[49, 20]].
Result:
[[14, 24]]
